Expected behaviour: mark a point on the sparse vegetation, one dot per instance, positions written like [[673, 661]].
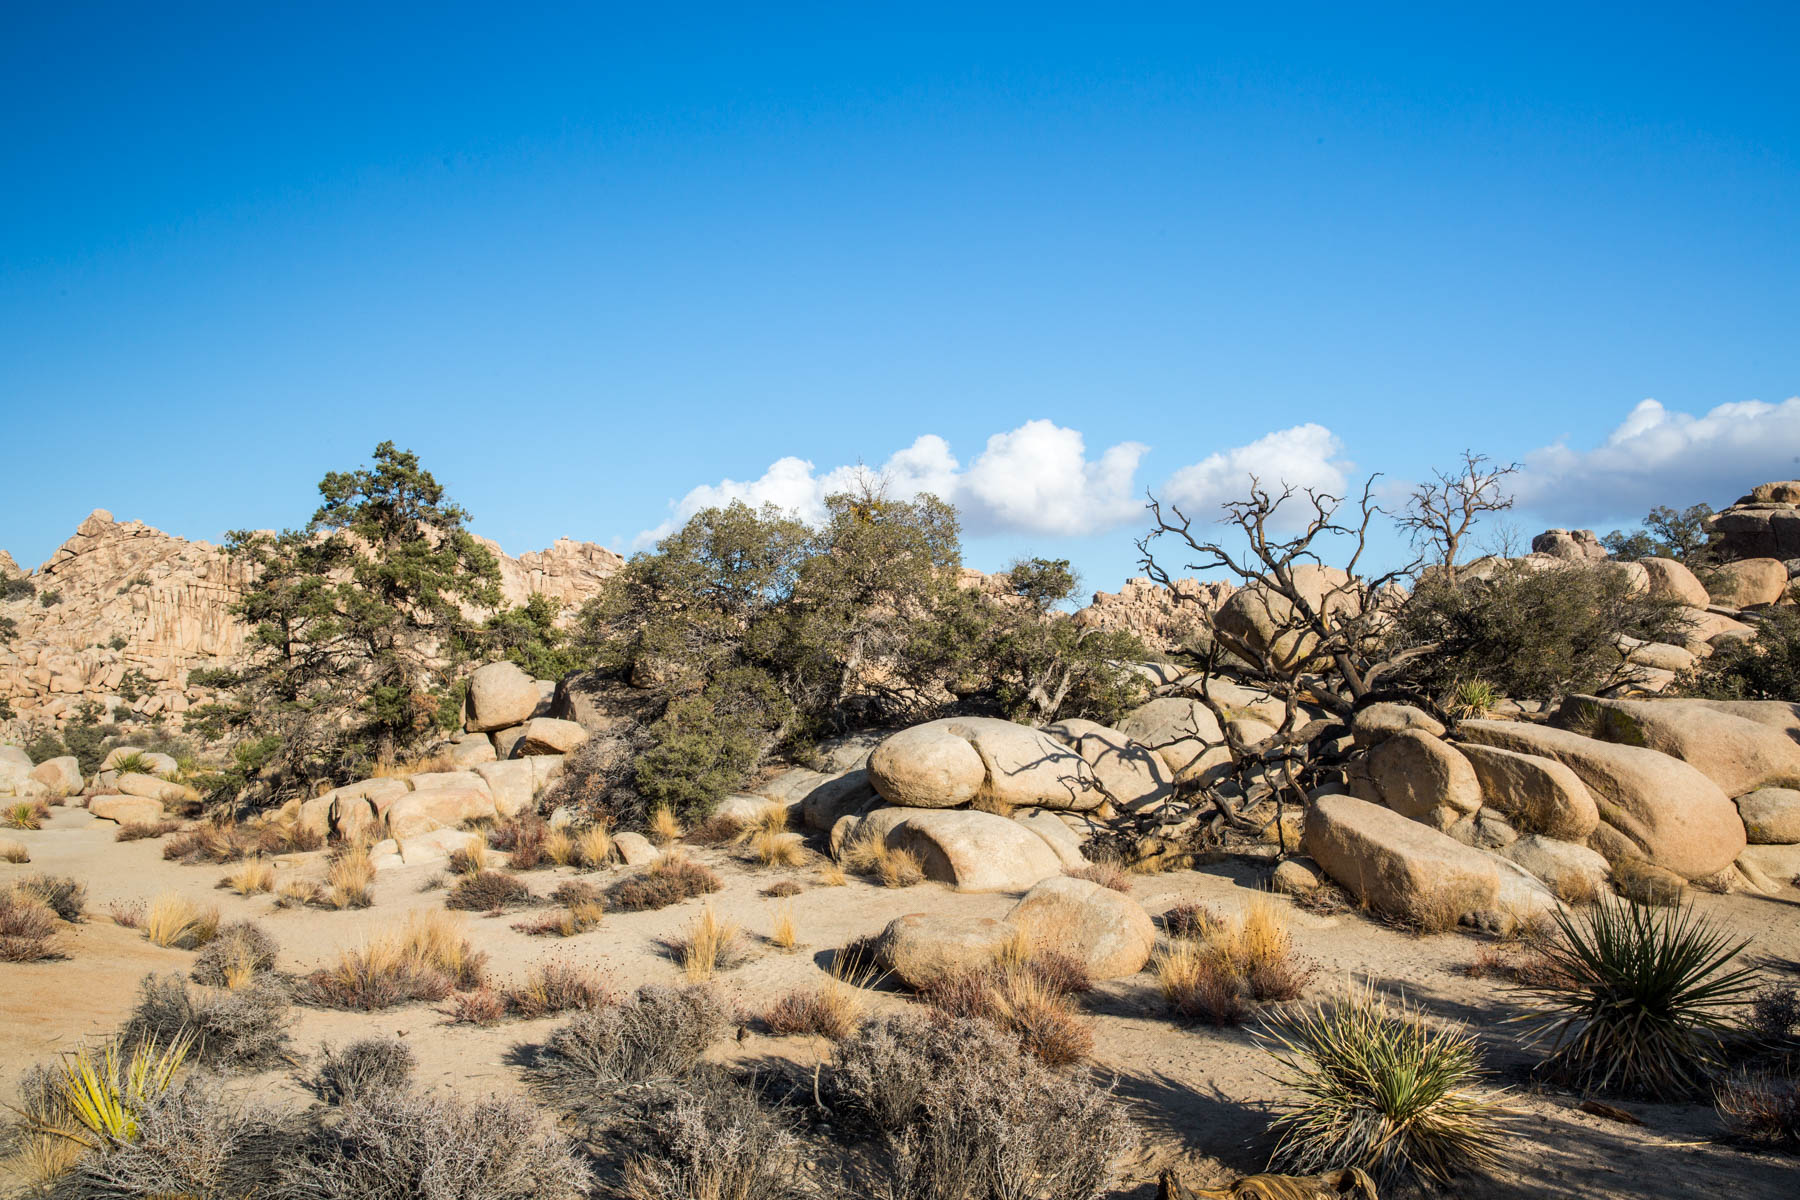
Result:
[[241, 951], [350, 879], [14, 852], [1637, 999], [488, 891], [669, 880], [1106, 873], [27, 814], [66, 898], [251, 879], [556, 987], [362, 1068], [657, 1035], [174, 920], [714, 1139], [709, 945], [426, 959], [242, 1028], [1381, 1090], [1218, 968], [133, 831], [29, 929], [1761, 1107]]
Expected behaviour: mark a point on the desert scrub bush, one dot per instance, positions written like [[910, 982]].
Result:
[[778, 848], [127, 914], [27, 814], [364, 1066], [1765, 666], [1775, 1012], [669, 880], [14, 852], [134, 831], [212, 841], [399, 1145], [1199, 983], [1383, 1091], [175, 921], [579, 916], [240, 1028], [241, 951], [783, 888], [593, 847], [664, 826], [488, 891], [66, 898], [831, 1010], [555, 987], [29, 929], [1761, 1107], [1636, 1001], [656, 1036], [1105, 872], [426, 959], [709, 945], [1218, 967], [522, 839], [350, 879], [964, 1114], [713, 1138], [251, 879], [470, 859], [482, 1006]]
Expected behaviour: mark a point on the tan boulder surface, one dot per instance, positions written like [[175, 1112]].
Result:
[[983, 761], [500, 694], [1108, 932], [1424, 778], [1184, 733], [1397, 866], [920, 948], [971, 851], [1132, 775], [1538, 795], [1662, 808], [1735, 752]]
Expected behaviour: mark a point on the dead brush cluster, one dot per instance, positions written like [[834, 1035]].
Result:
[[586, 849], [426, 959], [1028, 994], [546, 990], [133, 831], [1218, 968], [221, 840], [582, 910], [1108, 873], [488, 891], [669, 880], [33, 912], [524, 839], [894, 866]]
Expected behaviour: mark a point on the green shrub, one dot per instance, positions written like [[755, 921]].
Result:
[[1764, 667], [1380, 1090], [1637, 999], [1536, 634]]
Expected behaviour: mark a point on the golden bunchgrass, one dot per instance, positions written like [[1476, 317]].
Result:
[[251, 879], [710, 944], [14, 852], [783, 933], [593, 846], [559, 847], [348, 882], [664, 827], [174, 920]]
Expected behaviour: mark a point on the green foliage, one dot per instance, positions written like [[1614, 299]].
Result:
[[9, 629], [1682, 536], [1764, 667], [1637, 999], [47, 598], [347, 618], [118, 642], [1383, 1091], [702, 747], [529, 635], [84, 736], [1535, 634], [134, 685], [18, 588]]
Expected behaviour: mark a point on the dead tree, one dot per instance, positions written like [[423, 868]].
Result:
[[1442, 511]]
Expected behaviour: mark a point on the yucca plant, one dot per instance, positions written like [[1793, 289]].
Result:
[[1381, 1090], [104, 1095], [1636, 999]]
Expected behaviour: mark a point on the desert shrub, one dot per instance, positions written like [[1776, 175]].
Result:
[[578, 917], [65, 897], [133, 831], [29, 929], [774, 848], [714, 831], [1766, 666], [658, 1035], [963, 1114], [469, 859], [27, 814], [127, 914], [350, 879], [190, 1141], [1381, 1090], [479, 1006], [1775, 1012], [1530, 633], [212, 842], [817, 1012], [522, 838], [1104, 872], [712, 1138], [710, 944], [241, 951], [783, 933], [669, 880], [363, 1067], [1199, 982], [240, 1028], [557, 987], [1219, 967], [1190, 920], [14, 852], [1761, 1107], [426, 959], [175, 921], [1636, 1001], [487, 891], [399, 1145], [783, 888]]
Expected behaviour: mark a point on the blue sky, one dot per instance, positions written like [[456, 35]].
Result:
[[588, 260]]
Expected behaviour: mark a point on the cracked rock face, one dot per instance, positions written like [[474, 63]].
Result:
[[136, 609]]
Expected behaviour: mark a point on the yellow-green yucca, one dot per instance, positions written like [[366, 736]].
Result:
[[106, 1094]]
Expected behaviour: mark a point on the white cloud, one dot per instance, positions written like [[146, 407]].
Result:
[[1305, 456], [1037, 478], [1660, 457]]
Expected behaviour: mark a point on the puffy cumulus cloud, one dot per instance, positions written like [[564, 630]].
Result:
[[1305, 456], [1037, 478], [1656, 456]]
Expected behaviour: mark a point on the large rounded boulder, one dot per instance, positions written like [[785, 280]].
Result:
[[1184, 734], [1256, 621], [1397, 866], [921, 949], [971, 851], [1133, 776], [1737, 753], [500, 694], [982, 761], [1108, 932]]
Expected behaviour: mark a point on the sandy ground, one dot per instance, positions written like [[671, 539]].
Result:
[[1200, 1092]]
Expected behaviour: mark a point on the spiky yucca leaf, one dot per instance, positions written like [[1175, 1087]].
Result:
[[1636, 999], [105, 1095], [1381, 1090]]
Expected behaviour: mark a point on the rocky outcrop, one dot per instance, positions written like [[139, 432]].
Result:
[[137, 609], [971, 851], [1737, 753], [1396, 866], [1164, 619], [981, 761], [1763, 524], [1579, 545]]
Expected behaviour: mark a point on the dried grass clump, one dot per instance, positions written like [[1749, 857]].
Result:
[[1191, 921], [66, 897], [1775, 1012], [831, 1010], [664, 826], [782, 934], [716, 830], [659, 1034], [1026, 992], [833, 875], [251, 879], [963, 1112], [488, 891], [132, 831], [426, 959], [714, 1139], [871, 855], [29, 929], [1105, 872], [781, 889], [469, 859], [127, 914], [669, 880], [579, 917], [778, 848], [1223, 966], [242, 951], [363, 1067], [242, 1028], [175, 921], [1383, 1091], [397, 1145], [709, 945], [559, 847], [212, 841], [1761, 1107], [593, 847], [557, 988], [14, 852], [482, 1006], [522, 839], [1638, 1000], [351, 879]]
